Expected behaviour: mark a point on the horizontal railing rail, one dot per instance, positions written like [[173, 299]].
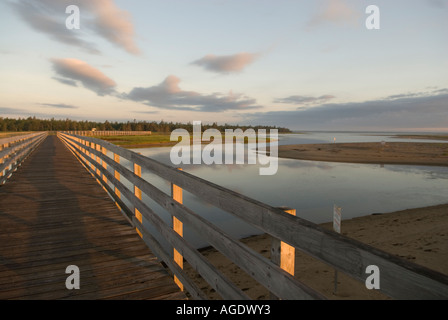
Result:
[[399, 278], [14, 150], [110, 133]]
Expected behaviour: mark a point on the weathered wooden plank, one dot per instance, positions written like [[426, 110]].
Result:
[[27, 258], [15, 252], [87, 231], [56, 280], [115, 194], [15, 276], [155, 284]]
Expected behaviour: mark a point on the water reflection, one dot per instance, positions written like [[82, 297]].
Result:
[[311, 187]]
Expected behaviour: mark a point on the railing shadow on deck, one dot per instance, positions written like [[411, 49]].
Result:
[[400, 279]]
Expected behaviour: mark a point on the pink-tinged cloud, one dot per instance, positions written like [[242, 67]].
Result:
[[101, 17], [335, 11], [168, 95], [226, 64], [114, 24], [74, 71]]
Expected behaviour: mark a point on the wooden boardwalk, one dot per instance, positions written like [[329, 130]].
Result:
[[53, 214]]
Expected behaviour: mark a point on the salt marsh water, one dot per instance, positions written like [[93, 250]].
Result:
[[312, 187]]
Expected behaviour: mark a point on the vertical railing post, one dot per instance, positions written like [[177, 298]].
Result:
[[76, 148], [176, 192], [282, 254], [1, 161], [104, 152], [92, 156], [98, 160], [86, 144], [138, 194], [82, 148], [5, 145], [117, 176]]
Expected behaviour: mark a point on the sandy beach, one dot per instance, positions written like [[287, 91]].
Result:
[[411, 153], [419, 235]]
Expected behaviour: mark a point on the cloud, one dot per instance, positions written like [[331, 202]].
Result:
[[18, 112], [409, 110], [417, 94], [48, 18], [304, 100], [335, 12], [74, 71], [100, 17], [114, 24], [226, 64], [6, 110], [168, 95], [66, 81], [147, 112], [58, 105]]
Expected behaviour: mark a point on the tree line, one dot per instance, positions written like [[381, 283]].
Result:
[[35, 124]]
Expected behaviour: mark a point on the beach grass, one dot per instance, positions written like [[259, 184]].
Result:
[[12, 134], [136, 141], [153, 140]]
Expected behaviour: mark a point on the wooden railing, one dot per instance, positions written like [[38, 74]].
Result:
[[14, 150], [400, 279]]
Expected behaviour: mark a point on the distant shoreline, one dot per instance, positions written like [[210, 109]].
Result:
[[164, 143], [403, 153], [423, 136]]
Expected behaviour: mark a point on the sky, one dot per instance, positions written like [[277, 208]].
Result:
[[304, 65]]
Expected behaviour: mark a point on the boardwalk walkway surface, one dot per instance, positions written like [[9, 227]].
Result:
[[53, 214]]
